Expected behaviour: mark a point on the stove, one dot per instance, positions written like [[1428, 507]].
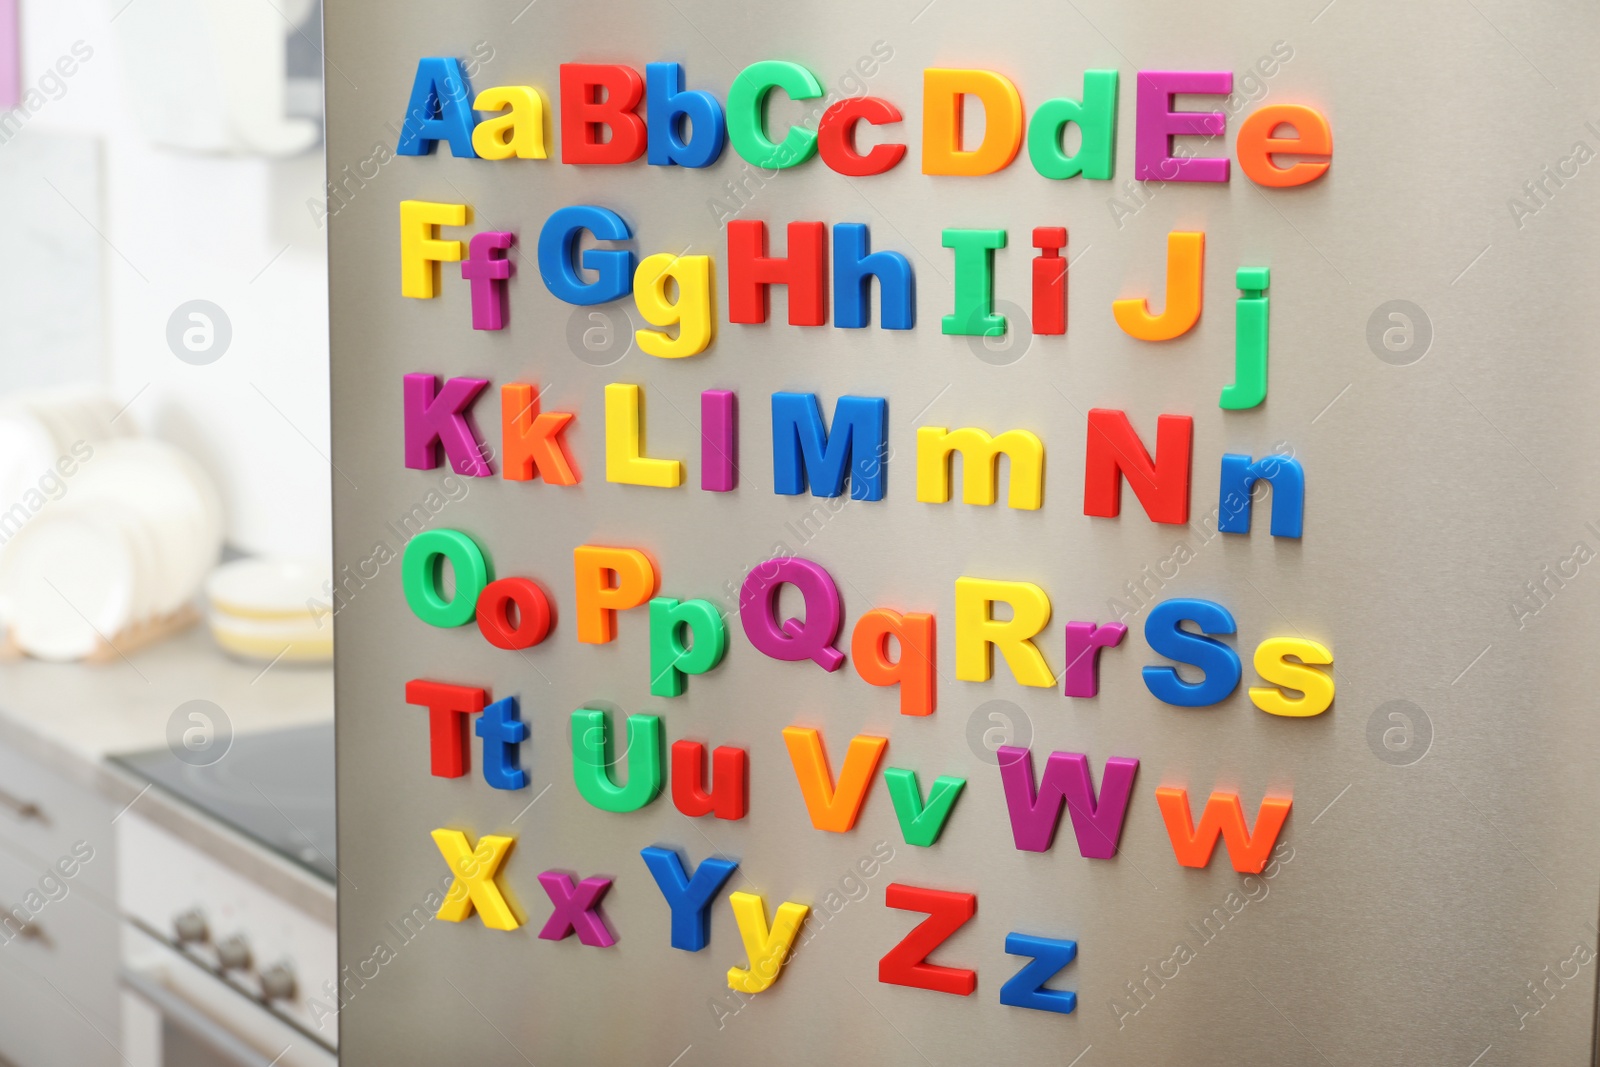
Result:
[[216, 958], [276, 788]]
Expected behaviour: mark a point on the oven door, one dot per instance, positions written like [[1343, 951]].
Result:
[[178, 1012]]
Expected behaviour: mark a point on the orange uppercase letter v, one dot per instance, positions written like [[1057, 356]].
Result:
[[833, 808]]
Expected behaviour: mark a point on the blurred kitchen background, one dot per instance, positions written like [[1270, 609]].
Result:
[[167, 861]]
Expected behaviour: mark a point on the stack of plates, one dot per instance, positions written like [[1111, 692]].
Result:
[[265, 609], [126, 543], [44, 435]]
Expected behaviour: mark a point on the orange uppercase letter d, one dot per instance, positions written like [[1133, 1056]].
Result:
[[943, 95]]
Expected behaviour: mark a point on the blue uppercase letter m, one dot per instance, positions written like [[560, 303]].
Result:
[[804, 450]]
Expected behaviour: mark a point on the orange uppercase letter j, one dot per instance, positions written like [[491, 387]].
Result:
[[1186, 253]]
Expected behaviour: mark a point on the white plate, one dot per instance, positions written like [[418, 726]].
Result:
[[173, 495], [27, 451], [67, 581], [266, 588]]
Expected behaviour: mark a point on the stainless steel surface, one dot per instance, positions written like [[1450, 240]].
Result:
[[1441, 867]]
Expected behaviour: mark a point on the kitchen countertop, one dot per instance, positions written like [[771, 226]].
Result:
[[69, 717]]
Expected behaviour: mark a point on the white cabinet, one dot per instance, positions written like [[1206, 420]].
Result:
[[59, 1003]]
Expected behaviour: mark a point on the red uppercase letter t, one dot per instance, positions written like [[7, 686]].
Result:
[[448, 707]]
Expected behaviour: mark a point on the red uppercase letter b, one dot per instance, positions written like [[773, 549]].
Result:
[[596, 97]]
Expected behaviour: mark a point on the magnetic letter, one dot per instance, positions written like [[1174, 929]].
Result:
[[1084, 642], [669, 108], [836, 135], [1026, 987], [503, 733], [1114, 451], [747, 120], [421, 250], [978, 633], [752, 273], [767, 949], [974, 314], [577, 909], [448, 707], [980, 466], [596, 97], [943, 148], [1096, 118], [594, 568], [493, 611], [438, 111], [1186, 254], [439, 422], [626, 462], [1224, 818], [853, 271], [833, 809], [420, 576], [688, 898], [792, 640], [474, 888], [913, 672], [519, 133], [805, 451], [729, 796], [690, 312], [1096, 823], [906, 964], [532, 441], [1158, 124], [592, 762], [1249, 386], [921, 824], [1258, 140], [1274, 663], [487, 274], [1164, 632], [1236, 498], [558, 240], [1049, 280], [719, 441], [671, 659]]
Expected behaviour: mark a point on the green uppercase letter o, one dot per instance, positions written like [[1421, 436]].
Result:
[[421, 579], [747, 121]]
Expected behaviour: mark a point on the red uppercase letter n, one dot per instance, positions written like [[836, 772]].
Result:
[[1114, 451]]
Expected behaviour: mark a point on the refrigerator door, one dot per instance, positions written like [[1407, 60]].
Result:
[[1431, 323]]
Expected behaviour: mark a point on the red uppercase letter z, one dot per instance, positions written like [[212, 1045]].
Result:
[[906, 963]]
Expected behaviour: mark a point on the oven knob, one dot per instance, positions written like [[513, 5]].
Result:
[[277, 982], [190, 926], [233, 953]]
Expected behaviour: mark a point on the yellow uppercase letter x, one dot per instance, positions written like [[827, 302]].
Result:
[[475, 886]]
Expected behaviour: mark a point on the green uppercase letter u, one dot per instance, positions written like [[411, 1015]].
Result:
[[591, 761]]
